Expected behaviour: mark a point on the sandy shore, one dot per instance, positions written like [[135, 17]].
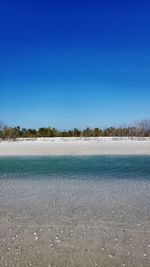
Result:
[[74, 213], [77, 223], [57, 146]]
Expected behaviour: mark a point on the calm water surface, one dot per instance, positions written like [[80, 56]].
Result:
[[96, 167]]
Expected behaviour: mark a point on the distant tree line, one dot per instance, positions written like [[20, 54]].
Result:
[[139, 129]]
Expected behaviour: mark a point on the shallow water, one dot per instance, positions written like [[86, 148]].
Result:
[[95, 167], [75, 211]]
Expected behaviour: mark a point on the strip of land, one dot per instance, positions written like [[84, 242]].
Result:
[[75, 146]]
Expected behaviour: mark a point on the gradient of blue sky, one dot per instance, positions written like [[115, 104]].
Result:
[[74, 63]]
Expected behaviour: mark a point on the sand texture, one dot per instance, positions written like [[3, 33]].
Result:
[[74, 223], [75, 147]]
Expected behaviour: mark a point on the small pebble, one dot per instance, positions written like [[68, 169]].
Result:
[[110, 256]]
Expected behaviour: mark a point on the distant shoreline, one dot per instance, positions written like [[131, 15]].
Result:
[[76, 146]]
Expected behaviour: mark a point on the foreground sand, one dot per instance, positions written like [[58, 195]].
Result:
[[74, 223], [56, 146]]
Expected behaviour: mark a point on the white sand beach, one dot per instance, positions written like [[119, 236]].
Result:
[[76, 146]]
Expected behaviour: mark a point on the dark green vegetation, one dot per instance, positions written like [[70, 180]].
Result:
[[141, 129]]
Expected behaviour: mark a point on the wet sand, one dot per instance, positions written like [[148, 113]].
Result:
[[74, 223]]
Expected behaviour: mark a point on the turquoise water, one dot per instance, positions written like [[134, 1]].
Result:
[[59, 209], [95, 167]]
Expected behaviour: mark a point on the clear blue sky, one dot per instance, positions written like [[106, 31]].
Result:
[[74, 63]]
